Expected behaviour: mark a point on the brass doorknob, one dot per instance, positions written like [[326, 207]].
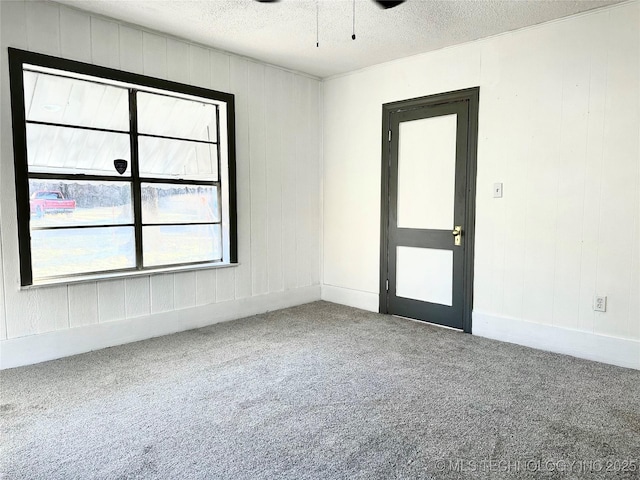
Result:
[[457, 234]]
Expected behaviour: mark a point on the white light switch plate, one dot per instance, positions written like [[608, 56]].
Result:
[[497, 190]]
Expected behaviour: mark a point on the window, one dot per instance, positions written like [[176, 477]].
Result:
[[118, 173]]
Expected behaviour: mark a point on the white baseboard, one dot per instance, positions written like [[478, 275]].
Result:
[[601, 348], [352, 298], [16, 352]]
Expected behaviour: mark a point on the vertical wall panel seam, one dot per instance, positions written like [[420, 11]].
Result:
[[266, 168], [557, 220], [98, 303], [215, 287], [119, 25], [504, 211], [249, 94], [26, 28], [189, 62], [195, 286], [601, 167], [118, 46], [507, 174], [280, 79], [68, 307], [95, 293], [4, 287], [248, 163], [126, 303], [524, 229], [59, 37], [306, 172], [634, 243], [584, 189], [166, 67], [173, 282], [305, 177], [320, 233], [150, 296], [302, 181], [310, 178], [297, 100], [91, 37], [281, 128], [316, 179]]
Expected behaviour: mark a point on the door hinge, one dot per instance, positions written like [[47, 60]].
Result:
[[387, 285], [389, 135]]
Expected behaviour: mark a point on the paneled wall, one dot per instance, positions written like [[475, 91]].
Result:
[[278, 168], [558, 126]]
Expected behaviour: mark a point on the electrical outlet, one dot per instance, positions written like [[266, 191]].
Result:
[[600, 303], [497, 190]]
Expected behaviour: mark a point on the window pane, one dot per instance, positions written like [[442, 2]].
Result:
[[53, 99], [160, 157], [81, 250], [165, 245], [176, 117], [72, 150], [166, 203], [73, 203]]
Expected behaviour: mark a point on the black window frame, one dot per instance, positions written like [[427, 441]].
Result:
[[17, 60]]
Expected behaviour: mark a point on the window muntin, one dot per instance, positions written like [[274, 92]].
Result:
[[174, 203]]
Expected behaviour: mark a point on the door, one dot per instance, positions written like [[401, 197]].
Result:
[[428, 208]]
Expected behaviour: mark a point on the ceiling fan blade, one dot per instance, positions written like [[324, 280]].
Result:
[[389, 3], [382, 3]]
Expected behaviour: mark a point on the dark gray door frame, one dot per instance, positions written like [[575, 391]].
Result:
[[472, 96]]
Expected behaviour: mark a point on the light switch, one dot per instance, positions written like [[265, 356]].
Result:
[[497, 190]]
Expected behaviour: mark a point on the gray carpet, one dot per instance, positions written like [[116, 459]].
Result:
[[320, 391]]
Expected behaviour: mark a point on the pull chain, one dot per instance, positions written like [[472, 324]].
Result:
[[353, 36], [317, 23]]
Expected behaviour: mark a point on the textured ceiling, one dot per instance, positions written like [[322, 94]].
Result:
[[284, 33]]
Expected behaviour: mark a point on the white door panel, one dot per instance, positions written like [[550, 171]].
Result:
[[427, 172], [425, 274]]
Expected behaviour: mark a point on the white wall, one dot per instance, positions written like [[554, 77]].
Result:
[[278, 180], [559, 126]]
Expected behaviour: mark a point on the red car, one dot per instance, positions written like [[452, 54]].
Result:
[[50, 202]]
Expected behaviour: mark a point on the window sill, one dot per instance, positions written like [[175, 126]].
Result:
[[129, 274]]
